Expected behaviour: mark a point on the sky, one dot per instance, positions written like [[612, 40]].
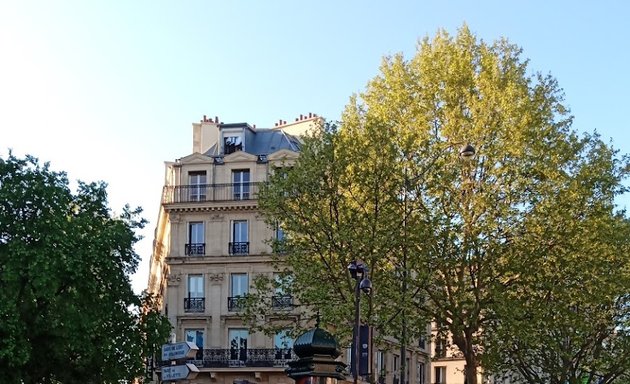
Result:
[[107, 90]]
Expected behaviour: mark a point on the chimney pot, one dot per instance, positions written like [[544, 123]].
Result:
[[310, 115], [216, 119]]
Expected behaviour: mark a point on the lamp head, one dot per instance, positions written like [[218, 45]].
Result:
[[366, 285], [467, 152]]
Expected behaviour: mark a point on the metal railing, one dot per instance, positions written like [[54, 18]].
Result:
[[195, 249], [209, 192], [282, 302], [194, 304], [245, 357], [240, 248], [236, 303]]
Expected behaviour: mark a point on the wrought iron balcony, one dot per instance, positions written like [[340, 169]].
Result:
[[240, 248], [194, 304], [236, 303], [209, 192], [282, 302], [195, 249], [242, 357]]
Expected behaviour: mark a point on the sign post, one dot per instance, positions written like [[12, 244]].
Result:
[[176, 353]]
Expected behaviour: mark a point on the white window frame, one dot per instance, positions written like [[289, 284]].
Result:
[[197, 181], [238, 133]]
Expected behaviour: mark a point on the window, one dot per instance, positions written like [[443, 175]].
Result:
[[239, 286], [240, 238], [422, 342], [232, 143], [283, 343], [282, 298], [237, 338], [279, 233], [195, 302], [381, 369], [196, 245], [195, 336], [197, 186], [396, 369], [440, 375], [240, 183], [440, 346], [420, 377]]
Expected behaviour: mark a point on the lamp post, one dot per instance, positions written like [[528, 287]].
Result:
[[359, 272], [466, 153]]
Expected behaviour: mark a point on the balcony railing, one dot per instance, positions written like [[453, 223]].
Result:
[[282, 302], [209, 192], [254, 357], [195, 249], [194, 304], [236, 303], [240, 248]]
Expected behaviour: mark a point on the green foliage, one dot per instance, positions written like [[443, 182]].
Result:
[[471, 244], [66, 302]]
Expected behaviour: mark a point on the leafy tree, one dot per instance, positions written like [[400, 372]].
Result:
[[461, 242], [568, 322], [66, 302]]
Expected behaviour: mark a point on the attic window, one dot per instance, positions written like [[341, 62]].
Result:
[[232, 143]]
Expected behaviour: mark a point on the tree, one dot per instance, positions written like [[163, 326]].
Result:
[[568, 322], [453, 240], [68, 312]]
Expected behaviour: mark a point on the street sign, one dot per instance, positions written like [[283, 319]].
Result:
[[181, 350], [179, 372]]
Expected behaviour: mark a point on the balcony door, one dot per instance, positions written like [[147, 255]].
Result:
[[240, 184], [238, 344], [283, 343], [196, 300], [197, 186], [196, 243], [195, 336], [240, 238]]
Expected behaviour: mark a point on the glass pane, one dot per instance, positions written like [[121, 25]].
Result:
[[195, 336], [239, 284], [196, 233], [240, 232], [195, 286], [282, 340]]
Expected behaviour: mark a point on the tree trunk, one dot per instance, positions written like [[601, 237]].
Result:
[[463, 341]]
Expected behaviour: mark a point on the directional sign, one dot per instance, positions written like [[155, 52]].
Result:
[[176, 351], [179, 372]]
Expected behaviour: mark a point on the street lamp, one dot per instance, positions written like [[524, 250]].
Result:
[[359, 272]]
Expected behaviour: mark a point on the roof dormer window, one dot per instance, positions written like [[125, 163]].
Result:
[[232, 142]]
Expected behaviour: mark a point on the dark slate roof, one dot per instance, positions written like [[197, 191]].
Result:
[[263, 142]]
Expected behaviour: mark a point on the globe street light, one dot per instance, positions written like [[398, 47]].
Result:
[[359, 272]]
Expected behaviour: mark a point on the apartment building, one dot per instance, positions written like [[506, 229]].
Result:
[[210, 242], [448, 363]]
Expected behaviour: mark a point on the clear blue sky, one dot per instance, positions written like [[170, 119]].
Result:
[[107, 90]]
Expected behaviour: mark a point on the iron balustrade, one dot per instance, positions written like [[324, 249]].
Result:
[[236, 303], [244, 357], [195, 249], [194, 304], [240, 248], [282, 302], [209, 192]]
